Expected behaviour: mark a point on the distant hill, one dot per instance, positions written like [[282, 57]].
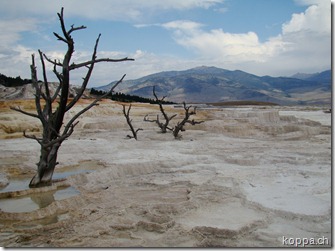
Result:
[[27, 91], [302, 75], [324, 76], [210, 84], [206, 85]]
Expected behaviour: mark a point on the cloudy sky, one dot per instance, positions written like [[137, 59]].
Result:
[[262, 37]]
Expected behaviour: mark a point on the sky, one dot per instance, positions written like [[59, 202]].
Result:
[[262, 37]]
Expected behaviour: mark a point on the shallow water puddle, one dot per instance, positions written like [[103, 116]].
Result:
[[34, 201], [23, 184]]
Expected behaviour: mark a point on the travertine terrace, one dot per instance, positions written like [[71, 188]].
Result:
[[247, 177]]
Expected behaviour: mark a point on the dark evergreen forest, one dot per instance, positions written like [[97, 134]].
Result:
[[13, 82], [121, 97]]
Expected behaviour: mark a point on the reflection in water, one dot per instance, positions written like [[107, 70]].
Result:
[[43, 199], [18, 205], [16, 185], [42, 222], [35, 201]]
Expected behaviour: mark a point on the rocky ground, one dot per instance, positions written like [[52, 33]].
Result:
[[247, 177]]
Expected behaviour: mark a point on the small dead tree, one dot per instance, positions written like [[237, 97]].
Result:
[[54, 130], [163, 126], [127, 116], [180, 125]]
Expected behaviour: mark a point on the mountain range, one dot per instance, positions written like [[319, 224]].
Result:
[[210, 84]]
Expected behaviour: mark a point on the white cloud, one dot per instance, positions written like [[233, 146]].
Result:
[[16, 61], [16, 57], [184, 25], [145, 63], [10, 29], [105, 72], [304, 44], [125, 10], [219, 44], [316, 18]]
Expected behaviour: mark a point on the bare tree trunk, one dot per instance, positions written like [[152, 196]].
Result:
[[180, 125], [127, 116], [163, 126], [46, 166], [52, 121]]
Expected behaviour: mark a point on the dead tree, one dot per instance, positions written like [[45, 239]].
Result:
[[127, 116], [180, 125], [54, 132], [163, 126]]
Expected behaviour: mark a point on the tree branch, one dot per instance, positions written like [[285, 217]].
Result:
[[39, 140], [93, 104], [45, 79], [90, 62], [146, 119], [76, 28], [18, 109], [193, 122], [61, 19], [61, 138], [38, 90], [53, 61], [39, 114], [86, 79], [59, 37]]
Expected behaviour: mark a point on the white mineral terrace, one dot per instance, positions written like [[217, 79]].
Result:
[[247, 177]]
